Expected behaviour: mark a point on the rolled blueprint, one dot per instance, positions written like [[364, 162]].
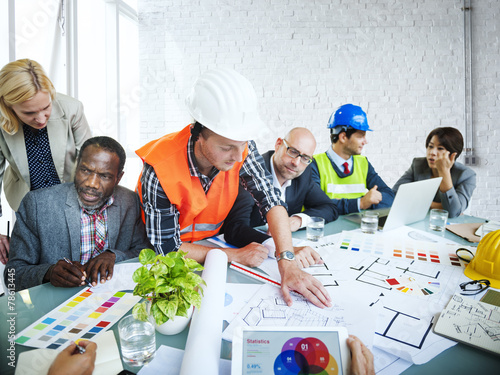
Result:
[[203, 344]]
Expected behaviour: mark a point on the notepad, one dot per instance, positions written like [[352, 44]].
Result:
[[107, 360], [471, 322]]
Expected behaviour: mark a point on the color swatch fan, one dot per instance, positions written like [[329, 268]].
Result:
[[83, 316], [409, 285]]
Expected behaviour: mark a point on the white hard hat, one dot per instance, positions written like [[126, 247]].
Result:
[[225, 102]]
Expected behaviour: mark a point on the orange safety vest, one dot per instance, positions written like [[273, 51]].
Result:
[[200, 215]]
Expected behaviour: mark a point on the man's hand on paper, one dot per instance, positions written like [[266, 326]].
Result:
[[66, 274], [294, 279], [252, 255], [70, 361], [361, 357], [4, 248], [306, 256], [102, 265]]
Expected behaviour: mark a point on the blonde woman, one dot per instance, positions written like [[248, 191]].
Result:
[[41, 132]]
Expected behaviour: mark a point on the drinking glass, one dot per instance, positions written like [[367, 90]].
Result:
[[437, 220], [315, 228], [137, 341], [369, 222]]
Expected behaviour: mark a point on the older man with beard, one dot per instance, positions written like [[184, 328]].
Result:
[[75, 232]]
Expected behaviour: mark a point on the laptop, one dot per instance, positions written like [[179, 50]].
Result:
[[411, 204]]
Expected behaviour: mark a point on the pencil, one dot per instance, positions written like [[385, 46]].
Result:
[[86, 280]]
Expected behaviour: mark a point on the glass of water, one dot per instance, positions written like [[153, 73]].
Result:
[[437, 220], [137, 341], [369, 222], [315, 228]]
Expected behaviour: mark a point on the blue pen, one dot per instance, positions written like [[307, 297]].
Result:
[[86, 280]]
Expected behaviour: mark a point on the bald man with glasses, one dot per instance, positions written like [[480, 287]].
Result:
[[289, 166]]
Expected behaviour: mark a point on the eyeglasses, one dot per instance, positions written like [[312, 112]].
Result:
[[294, 153], [473, 287]]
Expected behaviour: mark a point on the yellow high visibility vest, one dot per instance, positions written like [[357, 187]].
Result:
[[353, 186]]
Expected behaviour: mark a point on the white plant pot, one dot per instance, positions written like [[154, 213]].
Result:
[[173, 326]]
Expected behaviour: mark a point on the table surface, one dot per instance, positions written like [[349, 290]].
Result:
[[33, 303]]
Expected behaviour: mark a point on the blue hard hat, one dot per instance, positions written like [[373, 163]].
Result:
[[349, 115]]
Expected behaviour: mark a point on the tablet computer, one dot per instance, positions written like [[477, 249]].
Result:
[[290, 350]]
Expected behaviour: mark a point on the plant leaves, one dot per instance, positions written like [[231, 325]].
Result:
[[159, 269], [147, 256], [158, 314], [139, 311], [193, 298], [169, 308], [140, 275], [193, 265], [162, 286], [167, 260]]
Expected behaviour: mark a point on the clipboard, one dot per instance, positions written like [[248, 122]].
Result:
[[466, 231]]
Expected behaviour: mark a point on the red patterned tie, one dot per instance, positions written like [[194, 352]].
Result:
[[346, 168], [100, 233]]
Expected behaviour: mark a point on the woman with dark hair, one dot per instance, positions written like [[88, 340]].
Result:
[[444, 146]]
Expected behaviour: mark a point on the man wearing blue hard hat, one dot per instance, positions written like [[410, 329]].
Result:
[[343, 173]]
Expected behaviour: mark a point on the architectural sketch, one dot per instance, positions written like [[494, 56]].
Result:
[[472, 322]]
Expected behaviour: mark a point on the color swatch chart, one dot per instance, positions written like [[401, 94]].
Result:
[[83, 316], [409, 285], [404, 248]]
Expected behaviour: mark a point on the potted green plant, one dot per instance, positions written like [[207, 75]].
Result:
[[170, 288]]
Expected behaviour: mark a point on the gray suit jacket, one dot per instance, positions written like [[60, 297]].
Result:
[[455, 200], [48, 229], [67, 129]]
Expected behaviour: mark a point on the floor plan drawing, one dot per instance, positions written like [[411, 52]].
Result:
[[268, 308]]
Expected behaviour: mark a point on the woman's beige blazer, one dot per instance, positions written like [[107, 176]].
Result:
[[67, 130]]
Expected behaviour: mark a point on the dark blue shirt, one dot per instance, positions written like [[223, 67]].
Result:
[[41, 165]]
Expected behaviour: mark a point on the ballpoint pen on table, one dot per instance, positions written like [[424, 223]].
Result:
[[86, 280]]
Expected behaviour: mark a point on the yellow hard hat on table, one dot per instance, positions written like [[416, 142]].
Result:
[[486, 263]]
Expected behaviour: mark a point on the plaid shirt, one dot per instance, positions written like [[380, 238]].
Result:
[[87, 231], [162, 217]]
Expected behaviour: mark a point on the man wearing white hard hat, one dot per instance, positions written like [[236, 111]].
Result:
[[190, 181]]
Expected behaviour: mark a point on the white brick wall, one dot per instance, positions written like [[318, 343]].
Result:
[[401, 61]]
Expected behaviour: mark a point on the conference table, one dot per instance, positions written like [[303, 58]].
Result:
[[33, 303]]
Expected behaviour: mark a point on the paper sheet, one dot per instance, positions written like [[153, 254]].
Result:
[[167, 361], [3, 289], [85, 315], [108, 361], [237, 296], [388, 364], [267, 308], [121, 280], [411, 293], [203, 344], [472, 322]]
